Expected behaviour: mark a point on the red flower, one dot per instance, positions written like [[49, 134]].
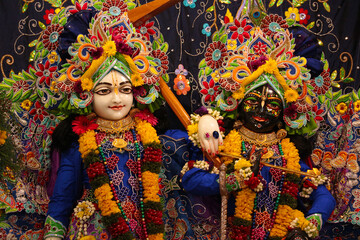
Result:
[[147, 116], [51, 36], [19, 206], [215, 54], [95, 169], [304, 17], [271, 24], [240, 30], [145, 29], [322, 82], [291, 111], [319, 113], [21, 84], [210, 90], [78, 8], [118, 228], [38, 112], [308, 184], [81, 124], [48, 15], [153, 216], [46, 72], [152, 155], [260, 48], [253, 182], [115, 7]]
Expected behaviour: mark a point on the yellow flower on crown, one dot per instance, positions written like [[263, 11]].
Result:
[[291, 95], [270, 66], [87, 84], [109, 48]]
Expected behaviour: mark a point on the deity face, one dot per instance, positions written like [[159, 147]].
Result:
[[113, 97], [261, 110]]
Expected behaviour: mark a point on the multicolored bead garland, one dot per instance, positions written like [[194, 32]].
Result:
[[138, 161], [98, 169]]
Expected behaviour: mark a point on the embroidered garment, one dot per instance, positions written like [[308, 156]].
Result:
[[122, 169], [261, 210]]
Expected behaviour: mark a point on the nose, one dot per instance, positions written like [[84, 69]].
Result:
[[116, 97], [262, 107]]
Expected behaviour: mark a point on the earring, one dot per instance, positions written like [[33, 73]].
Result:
[[280, 125]]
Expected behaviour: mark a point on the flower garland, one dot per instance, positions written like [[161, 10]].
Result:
[[285, 216], [114, 217]]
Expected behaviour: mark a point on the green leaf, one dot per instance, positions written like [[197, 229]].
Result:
[[55, 19], [32, 56], [26, 95], [54, 3], [225, 1], [4, 86], [335, 84], [41, 25], [358, 93], [216, 37], [164, 47], [25, 7], [44, 52], [33, 43], [210, 9], [234, 64], [337, 94], [321, 98], [344, 98], [165, 77], [17, 95], [40, 46], [202, 63], [279, 3], [354, 96], [63, 21], [223, 38], [208, 71], [201, 72], [9, 81], [329, 94], [310, 25], [326, 6], [290, 21], [348, 80], [271, 3], [155, 45], [33, 97], [333, 75], [342, 73], [131, 5], [98, 5]]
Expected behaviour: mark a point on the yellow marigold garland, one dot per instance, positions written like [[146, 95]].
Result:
[[245, 204], [245, 198], [151, 186], [148, 136], [147, 133], [291, 154]]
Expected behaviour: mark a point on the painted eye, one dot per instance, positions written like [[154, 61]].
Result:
[[103, 91], [126, 90], [274, 105]]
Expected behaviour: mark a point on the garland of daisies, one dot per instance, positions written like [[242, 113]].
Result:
[[110, 208], [286, 217]]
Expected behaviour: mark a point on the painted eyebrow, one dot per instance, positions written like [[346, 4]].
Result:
[[110, 84]]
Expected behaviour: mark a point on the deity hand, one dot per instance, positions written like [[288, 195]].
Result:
[[296, 234], [209, 134], [53, 238]]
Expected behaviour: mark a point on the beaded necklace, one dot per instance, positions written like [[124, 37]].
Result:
[[138, 162], [119, 225]]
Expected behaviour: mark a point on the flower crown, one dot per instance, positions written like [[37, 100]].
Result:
[[237, 62]]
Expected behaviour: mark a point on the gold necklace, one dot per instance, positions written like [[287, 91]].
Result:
[[115, 127], [261, 139]]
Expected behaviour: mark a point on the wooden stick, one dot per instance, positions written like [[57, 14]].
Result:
[[141, 14], [272, 166]]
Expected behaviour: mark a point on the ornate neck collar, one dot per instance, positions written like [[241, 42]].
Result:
[[262, 139], [119, 126]]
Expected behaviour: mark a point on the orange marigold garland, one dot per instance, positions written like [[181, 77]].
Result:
[[114, 217], [286, 216]]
